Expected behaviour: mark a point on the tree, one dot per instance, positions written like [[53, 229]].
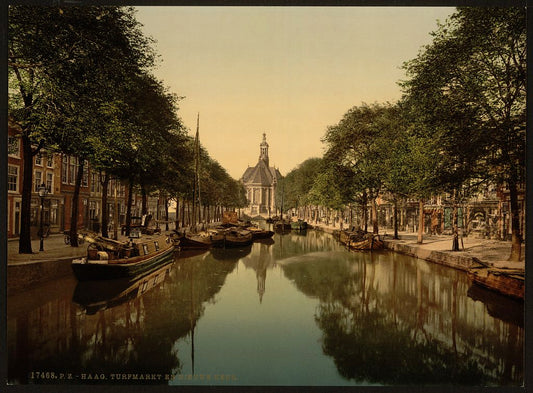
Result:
[[58, 84], [474, 72], [357, 144]]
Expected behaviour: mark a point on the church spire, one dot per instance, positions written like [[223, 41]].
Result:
[[264, 150]]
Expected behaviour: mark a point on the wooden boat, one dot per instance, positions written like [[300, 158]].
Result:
[[200, 240], [282, 225], [509, 282], [259, 233], [299, 225], [345, 236], [98, 295], [369, 243], [237, 238], [108, 259]]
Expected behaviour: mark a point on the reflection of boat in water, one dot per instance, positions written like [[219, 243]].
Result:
[[189, 253], [231, 254], [499, 306], [268, 241], [98, 295], [108, 259]]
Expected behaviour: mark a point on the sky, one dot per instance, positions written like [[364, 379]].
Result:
[[289, 72]]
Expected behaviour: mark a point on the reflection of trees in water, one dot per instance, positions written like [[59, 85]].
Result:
[[392, 320], [137, 336]]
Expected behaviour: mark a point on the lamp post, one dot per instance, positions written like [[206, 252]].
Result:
[[42, 194]]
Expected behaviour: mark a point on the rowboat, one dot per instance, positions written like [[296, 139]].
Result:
[[109, 259]]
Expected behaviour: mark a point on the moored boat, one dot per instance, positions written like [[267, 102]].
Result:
[[109, 259], [299, 225], [282, 225], [509, 282], [259, 233], [237, 238], [201, 240], [369, 243], [96, 295]]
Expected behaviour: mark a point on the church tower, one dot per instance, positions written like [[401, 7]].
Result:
[[260, 183], [264, 150]]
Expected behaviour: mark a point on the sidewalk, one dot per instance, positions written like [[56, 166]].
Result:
[[491, 252], [54, 249]]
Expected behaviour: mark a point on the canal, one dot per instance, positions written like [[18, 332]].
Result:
[[298, 310]]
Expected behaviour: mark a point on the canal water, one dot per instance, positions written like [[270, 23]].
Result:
[[296, 310]]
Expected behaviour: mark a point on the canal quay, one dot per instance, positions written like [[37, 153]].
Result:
[[295, 310]]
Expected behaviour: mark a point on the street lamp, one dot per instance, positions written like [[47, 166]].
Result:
[[42, 194]]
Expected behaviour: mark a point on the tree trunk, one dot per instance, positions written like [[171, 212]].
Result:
[[183, 213], [25, 211], [375, 228], [167, 201], [420, 239], [75, 206], [105, 211], [128, 207], [178, 215], [395, 218], [455, 223], [516, 236], [144, 207]]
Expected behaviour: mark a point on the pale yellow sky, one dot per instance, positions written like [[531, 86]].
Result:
[[286, 71]]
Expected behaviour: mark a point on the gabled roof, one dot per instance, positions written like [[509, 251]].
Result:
[[261, 174]]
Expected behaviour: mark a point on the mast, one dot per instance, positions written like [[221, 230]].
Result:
[[196, 189]]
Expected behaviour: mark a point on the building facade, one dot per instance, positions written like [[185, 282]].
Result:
[[58, 171], [260, 183]]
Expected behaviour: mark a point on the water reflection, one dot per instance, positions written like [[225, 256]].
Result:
[[379, 318], [390, 319]]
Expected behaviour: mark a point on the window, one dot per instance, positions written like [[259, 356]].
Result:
[[50, 182], [38, 180], [64, 169], [12, 178], [85, 177], [72, 170], [39, 159], [50, 160], [13, 146], [93, 182]]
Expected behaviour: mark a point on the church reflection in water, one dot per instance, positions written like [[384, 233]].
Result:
[[383, 318]]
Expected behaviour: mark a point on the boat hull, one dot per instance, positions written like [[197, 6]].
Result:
[[494, 280], [86, 271], [299, 225]]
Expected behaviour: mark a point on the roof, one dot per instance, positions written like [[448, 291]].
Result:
[[260, 174]]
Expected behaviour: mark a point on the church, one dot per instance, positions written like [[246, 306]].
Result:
[[260, 183]]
